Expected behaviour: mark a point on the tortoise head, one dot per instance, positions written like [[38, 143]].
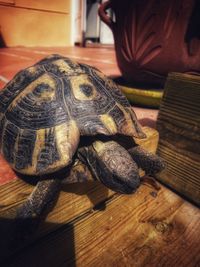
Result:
[[111, 164]]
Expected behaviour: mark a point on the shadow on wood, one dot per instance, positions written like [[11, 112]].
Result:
[[17, 238], [17, 252], [143, 229]]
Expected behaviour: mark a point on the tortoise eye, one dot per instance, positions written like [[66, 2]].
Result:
[[86, 89]]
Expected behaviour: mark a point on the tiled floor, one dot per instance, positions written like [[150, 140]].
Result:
[[14, 59]]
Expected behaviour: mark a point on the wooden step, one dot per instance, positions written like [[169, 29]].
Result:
[[179, 128]]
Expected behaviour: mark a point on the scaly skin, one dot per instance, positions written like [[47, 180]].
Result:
[[39, 199], [111, 164], [149, 162]]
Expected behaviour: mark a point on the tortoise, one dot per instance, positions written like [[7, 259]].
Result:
[[59, 114]]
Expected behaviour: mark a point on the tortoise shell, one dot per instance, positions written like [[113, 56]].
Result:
[[45, 109]]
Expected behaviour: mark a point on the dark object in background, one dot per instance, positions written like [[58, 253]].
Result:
[[2, 42], [153, 38]]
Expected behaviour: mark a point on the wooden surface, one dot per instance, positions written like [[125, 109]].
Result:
[[179, 127], [138, 230], [92, 226], [36, 23]]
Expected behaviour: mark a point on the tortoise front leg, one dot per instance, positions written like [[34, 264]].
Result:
[[28, 215], [41, 197], [149, 162]]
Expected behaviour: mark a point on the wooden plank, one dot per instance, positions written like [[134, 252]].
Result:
[[73, 201], [179, 127], [137, 230]]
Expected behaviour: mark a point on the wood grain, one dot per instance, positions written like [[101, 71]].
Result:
[[179, 127], [137, 230], [90, 226]]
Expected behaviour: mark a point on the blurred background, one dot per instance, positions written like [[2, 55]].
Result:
[[51, 23]]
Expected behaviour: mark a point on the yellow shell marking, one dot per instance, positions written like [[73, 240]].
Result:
[[46, 95], [109, 123], [39, 144], [63, 66], [66, 68], [32, 69], [99, 147], [77, 82], [67, 139], [128, 127]]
